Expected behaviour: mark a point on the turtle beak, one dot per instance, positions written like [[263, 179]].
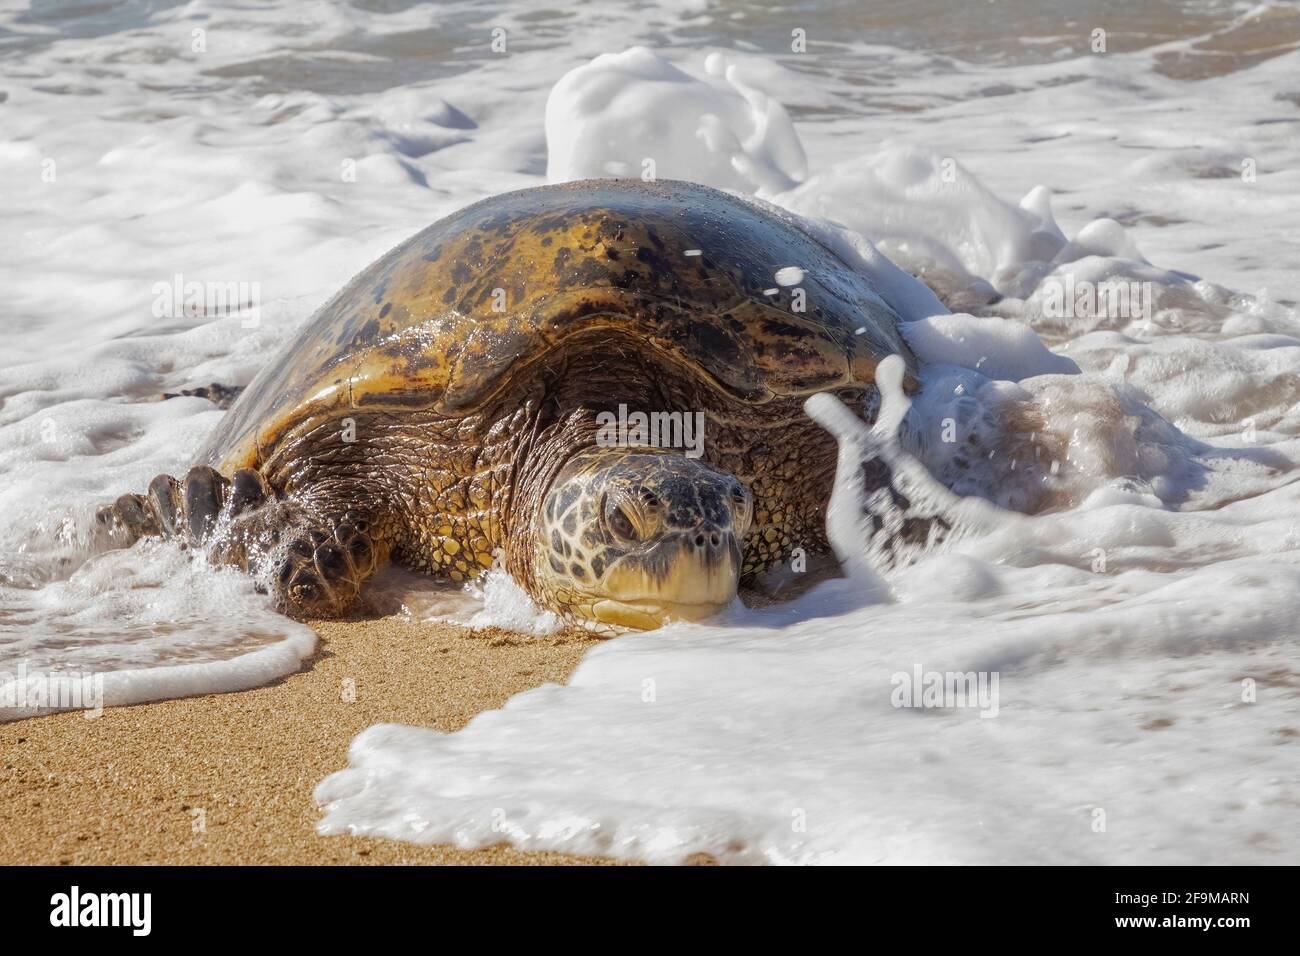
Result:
[[649, 615], [688, 576]]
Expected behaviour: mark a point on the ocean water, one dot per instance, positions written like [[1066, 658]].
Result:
[[1129, 622]]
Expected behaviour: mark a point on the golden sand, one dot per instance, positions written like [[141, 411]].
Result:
[[129, 786]]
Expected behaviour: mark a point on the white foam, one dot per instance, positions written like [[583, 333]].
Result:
[[144, 624], [506, 605], [932, 216], [636, 114], [994, 347]]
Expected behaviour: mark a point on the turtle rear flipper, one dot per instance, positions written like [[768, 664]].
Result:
[[320, 573], [313, 565]]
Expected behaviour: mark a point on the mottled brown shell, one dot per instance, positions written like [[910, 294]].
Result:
[[461, 309]]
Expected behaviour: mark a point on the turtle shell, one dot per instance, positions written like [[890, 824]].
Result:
[[451, 315]]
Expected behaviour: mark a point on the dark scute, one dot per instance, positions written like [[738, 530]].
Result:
[[394, 400], [370, 331], [713, 341], [567, 498]]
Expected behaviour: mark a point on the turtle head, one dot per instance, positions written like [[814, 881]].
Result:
[[638, 537]]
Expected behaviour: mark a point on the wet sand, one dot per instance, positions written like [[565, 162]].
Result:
[[133, 785]]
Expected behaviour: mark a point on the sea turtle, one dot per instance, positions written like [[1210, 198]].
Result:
[[452, 408]]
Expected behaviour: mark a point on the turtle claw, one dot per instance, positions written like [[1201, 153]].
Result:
[[165, 501], [131, 513], [248, 490], [190, 509], [136, 515], [205, 492]]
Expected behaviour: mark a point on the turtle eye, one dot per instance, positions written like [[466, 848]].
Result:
[[618, 520], [740, 498]]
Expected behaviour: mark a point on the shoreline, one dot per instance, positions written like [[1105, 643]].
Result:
[[228, 778]]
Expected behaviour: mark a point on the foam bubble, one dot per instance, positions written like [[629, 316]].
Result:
[[994, 347], [506, 605], [636, 114]]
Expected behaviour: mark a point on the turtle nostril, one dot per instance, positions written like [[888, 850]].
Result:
[[699, 540], [714, 539]]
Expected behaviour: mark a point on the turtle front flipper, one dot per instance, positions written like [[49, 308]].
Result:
[[313, 563]]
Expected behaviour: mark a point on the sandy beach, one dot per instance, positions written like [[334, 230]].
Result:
[[129, 786]]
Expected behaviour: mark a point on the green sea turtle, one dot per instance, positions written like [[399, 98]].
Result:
[[450, 408]]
